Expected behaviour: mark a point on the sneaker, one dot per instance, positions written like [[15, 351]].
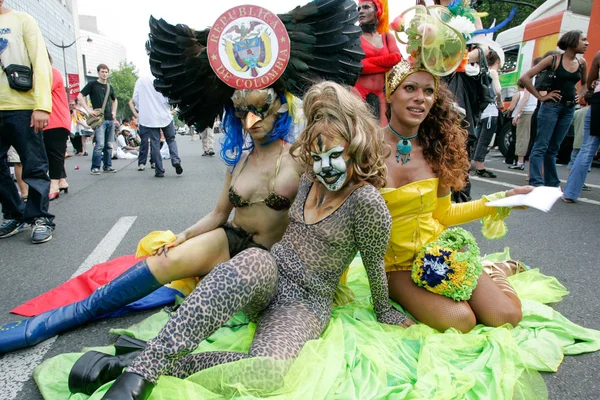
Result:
[[211, 153], [41, 232], [159, 175], [152, 165], [85, 153], [205, 154], [95, 171], [518, 166], [484, 173], [10, 227], [178, 169], [141, 167], [586, 188], [110, 169]]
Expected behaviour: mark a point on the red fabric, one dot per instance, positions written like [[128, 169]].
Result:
[[60, 117], [380, 60], [78, 288], [381, 64]]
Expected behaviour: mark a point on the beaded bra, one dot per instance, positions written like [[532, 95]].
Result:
[[274, 200]]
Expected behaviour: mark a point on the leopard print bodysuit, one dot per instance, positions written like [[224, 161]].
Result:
[[288, 292]]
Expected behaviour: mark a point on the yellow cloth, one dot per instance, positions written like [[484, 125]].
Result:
[[419, 217], [26, 46], [154, 241], [413, 226]]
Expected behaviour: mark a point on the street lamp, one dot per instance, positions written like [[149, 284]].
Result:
[[63, 47]]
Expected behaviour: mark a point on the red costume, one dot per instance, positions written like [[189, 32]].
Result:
[[378, 61]]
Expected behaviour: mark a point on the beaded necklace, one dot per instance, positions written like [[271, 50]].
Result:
[[404, 146]]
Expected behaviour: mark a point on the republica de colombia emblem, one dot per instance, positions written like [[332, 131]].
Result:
[[248, 47]]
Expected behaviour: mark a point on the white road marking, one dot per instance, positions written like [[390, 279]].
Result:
[[16, 368], [523, 174], [510, 185]]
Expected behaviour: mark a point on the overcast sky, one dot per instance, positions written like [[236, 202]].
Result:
[[126, 21]]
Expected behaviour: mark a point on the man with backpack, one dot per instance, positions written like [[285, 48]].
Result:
[[99, 92]]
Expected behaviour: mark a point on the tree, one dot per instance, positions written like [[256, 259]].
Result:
[[123, 81], [499, 10]]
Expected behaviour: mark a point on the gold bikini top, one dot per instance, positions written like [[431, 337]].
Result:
[[274, 200]]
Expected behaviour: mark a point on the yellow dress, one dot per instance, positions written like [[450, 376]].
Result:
[[419, 217]]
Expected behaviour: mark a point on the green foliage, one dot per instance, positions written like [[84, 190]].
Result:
[[500, 10], [123, 81]]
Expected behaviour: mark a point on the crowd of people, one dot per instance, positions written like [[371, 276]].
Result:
[[384, 145]]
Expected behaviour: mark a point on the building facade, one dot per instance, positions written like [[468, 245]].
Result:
[[62, 26], [100, 50]]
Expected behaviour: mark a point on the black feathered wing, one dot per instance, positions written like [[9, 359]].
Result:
[[179, 62], [325, 45]]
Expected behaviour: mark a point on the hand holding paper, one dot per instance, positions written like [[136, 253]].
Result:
[[542, 198]]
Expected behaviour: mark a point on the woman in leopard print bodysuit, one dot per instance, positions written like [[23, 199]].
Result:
[[289, 291]]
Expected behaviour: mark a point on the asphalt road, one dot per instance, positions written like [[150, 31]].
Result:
[[563, 243]]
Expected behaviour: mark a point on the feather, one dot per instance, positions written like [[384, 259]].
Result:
[[333, 52], [180, 64]]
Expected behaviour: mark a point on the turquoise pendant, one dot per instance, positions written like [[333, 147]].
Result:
[[403, 148]]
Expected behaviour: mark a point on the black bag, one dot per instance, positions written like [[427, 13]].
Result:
[[485, 90], [20, 77], [545, 79]]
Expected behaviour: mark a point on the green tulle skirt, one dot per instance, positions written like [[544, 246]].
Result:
[[358, 358]]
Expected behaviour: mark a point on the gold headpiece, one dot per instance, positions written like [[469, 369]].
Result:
[[401, 71], [434, 46]]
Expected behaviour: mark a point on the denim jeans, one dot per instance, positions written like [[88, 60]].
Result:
[[154, 135], [144, 145], [487, 128], [102, 153], [583, 162], [15, 131], [553, 122]]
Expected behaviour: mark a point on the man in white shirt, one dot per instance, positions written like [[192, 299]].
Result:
[[154, 114]]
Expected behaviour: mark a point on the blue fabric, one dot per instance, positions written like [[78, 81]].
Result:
[[162, 296], [15, 131], [104, 135], [134, 284], [554, 120], [583, 162]]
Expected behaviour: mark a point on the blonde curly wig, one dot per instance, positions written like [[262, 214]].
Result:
[[331, 109]]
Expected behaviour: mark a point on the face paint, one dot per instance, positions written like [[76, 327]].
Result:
[[330, 168]]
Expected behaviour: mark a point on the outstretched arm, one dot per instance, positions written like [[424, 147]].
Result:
[[372, 224], [451, 214]]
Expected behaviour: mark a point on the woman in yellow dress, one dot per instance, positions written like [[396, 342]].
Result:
[[436, 273]]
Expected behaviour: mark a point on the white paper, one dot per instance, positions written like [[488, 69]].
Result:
[[542, 198]]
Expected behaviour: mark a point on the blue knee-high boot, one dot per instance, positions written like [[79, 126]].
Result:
[[130, 286]]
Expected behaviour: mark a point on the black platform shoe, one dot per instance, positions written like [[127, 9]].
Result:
[[129, 386], [94, 369]]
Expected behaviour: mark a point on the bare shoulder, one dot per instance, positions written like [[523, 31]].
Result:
[[290, 161]]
